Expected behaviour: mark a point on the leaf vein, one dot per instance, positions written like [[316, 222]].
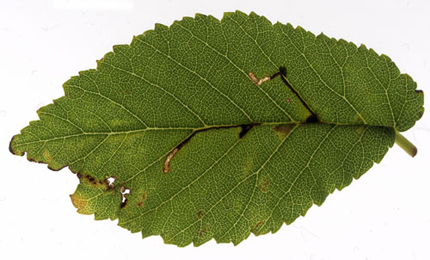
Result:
[[322, 80], [202, 78], [239, 69]]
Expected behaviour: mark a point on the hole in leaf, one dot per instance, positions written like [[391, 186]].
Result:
[[124, 191], [110, 181]]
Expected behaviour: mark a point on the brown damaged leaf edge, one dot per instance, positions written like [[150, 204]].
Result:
[[96, 183], [12, 150], [88, 178], [31, 159]]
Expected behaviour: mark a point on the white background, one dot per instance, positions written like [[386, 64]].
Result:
[[384, 215]]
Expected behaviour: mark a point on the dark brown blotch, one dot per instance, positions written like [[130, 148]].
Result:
[[313, 118], [91, 179], [244, 130], [123, 203], [200, 214]]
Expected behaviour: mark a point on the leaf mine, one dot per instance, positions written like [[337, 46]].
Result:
[[169, 158], [258, 81]]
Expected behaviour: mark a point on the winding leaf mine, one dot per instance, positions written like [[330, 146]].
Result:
[[216, 129]]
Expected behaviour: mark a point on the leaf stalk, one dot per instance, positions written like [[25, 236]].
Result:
[[405, 144]]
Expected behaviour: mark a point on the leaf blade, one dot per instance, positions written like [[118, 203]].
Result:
[[187, 86]]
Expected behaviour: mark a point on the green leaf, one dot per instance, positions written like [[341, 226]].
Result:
[[216, 129]]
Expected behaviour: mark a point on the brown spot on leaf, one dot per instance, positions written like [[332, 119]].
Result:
[[264, 185], [107, 184], [258, 225], [47, 156], [288, 100], [419, 91], [200, 214], [201, 232], [91, 180], [283, 130], [140, 203]]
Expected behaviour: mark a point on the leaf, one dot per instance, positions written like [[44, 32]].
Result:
[[215, 129]]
